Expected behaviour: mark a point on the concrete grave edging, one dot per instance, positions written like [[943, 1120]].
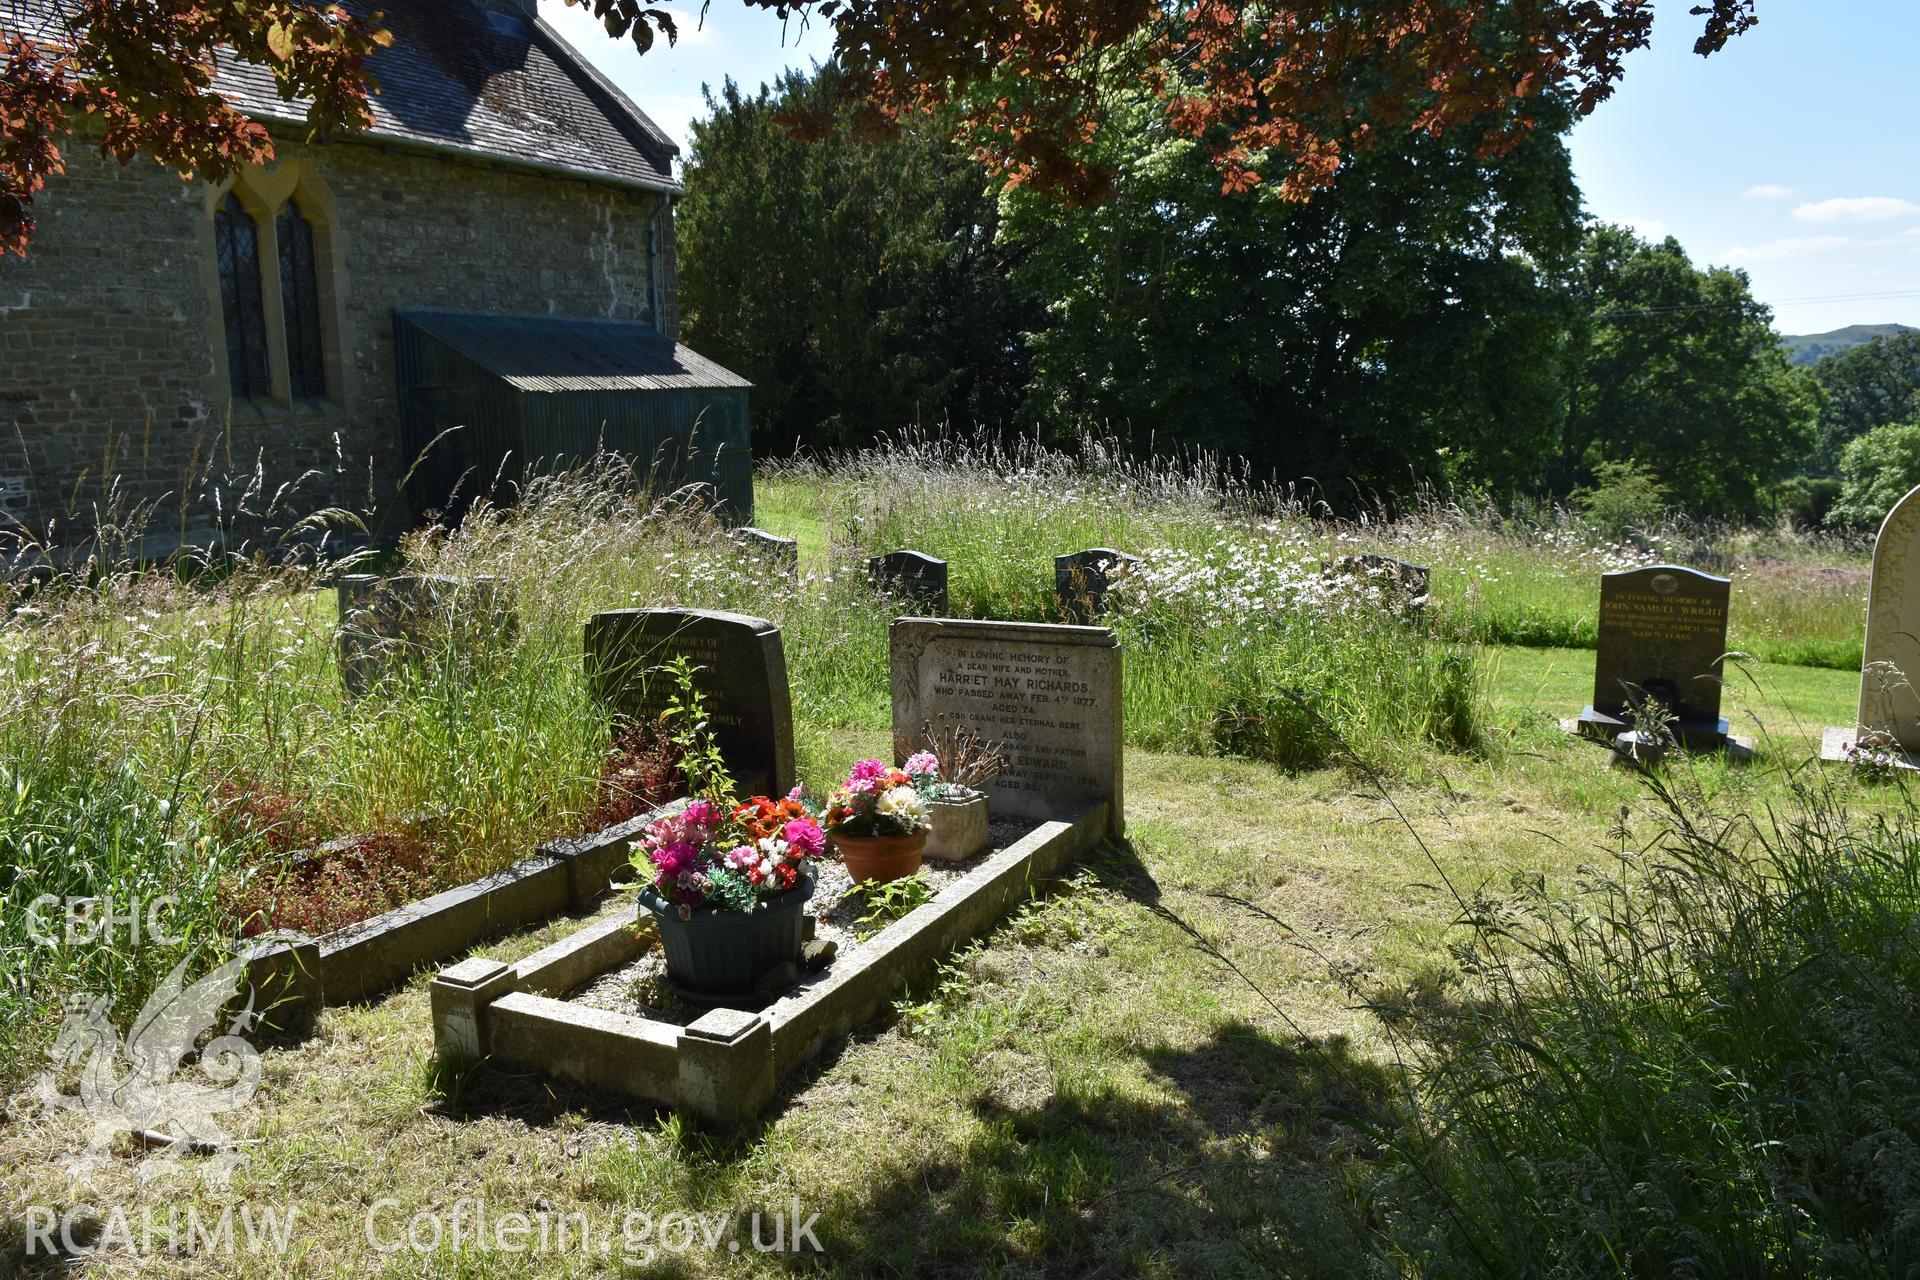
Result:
[[725, 1065]]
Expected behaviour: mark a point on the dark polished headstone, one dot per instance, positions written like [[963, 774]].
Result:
[[915, 579], [1083, 579], [1663, 634], [742, 671], [783, 553]]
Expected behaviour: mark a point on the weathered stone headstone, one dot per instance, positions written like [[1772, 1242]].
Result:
[[782, 553], [1047, 696], [1082, 580], [1891, 662], [1403, 584], [743, 673], [1663, 632], [387, 622], [918, 581]]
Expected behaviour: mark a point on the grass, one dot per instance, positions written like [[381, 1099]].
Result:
[[1194, 1060]]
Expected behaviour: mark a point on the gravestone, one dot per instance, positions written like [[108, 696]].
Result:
[[743, 673], [1663, 632], [782, 553], [1082, 580], [1891, 662], [917, 580], [1048, 697], [387, 622], [1403, 584]]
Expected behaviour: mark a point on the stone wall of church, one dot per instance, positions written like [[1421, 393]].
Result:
[[108, 369]]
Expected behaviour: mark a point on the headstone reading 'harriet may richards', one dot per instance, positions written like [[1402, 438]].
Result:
[[1082, 580], [743, 676], [1047, 696], [387, 622], [917, 580], [1663, 633]]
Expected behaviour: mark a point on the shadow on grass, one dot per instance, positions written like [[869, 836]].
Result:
[[1240, 1168]]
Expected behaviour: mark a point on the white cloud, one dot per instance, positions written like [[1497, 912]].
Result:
[[1791, 247], [1768, 191], [1855, 209], [1646, 228]]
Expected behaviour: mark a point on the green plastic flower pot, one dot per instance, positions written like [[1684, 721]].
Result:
[[724, 953]]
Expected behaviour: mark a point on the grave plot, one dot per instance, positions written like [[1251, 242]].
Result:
[[592, 1008], [292, 975]]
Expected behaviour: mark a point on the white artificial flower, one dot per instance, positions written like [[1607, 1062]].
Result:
[[904, 807]]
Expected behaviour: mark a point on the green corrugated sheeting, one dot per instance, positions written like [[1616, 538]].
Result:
[[484, 396]]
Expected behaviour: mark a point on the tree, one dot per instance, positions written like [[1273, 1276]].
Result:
[[1678, 369], [1876, 471], [1866, 386], [1286, 91], [1397, 328], [857, 282]]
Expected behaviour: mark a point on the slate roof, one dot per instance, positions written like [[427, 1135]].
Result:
[[455, 79], [573, 353]]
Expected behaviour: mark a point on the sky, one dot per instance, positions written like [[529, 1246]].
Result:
[[1793, 154]]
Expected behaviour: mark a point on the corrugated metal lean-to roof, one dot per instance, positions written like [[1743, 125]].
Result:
[[485, 397]]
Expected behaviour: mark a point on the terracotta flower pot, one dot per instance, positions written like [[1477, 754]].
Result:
[[880, 857]]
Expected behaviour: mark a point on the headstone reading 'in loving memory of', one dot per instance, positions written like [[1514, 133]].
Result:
[[917, 580], [1047, 696], [1663, 633], [387, 622], [1082, 580], [743, 676]]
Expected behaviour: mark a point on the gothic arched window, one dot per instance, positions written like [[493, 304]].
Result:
[[300, 305], [237, 241]]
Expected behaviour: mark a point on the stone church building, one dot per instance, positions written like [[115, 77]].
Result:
[[169, 344]]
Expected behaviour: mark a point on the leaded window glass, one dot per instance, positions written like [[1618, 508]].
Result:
[[237, 243], [300, 301]]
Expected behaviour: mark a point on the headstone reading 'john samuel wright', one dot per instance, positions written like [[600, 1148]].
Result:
[[1663, 633], [386, 622], [782, 553], [1082, 580], [743, 675], [915, 579], [1047, 696]]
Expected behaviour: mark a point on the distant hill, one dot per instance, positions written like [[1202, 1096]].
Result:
[[1806, 348]]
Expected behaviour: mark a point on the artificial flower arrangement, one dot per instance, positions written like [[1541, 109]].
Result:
[[730, 859], [878, 801]]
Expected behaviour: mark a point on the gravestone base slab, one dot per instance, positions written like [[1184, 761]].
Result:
[[1695, 735], [1735, 747], [1837, 742]]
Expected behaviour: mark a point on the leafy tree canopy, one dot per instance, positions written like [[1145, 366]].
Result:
[[1876, 471], [1866, 386], [1280, 94], [1679, 369]]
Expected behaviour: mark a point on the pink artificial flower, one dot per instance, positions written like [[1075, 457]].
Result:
[[795, 794], [922, 763], [743, 857], [699, 817], [804, 838], [674, 856], [865, 776]]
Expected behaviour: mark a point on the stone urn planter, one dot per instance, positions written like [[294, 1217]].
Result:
[[880, 858], [959, 824], [724, 953]]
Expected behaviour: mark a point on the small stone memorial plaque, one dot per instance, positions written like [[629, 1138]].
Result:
[[1082, 580], [386, 622], [918, 581], [1047, 696], [782, 553], [1663, 632], [1402, 583], [743, 673]]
